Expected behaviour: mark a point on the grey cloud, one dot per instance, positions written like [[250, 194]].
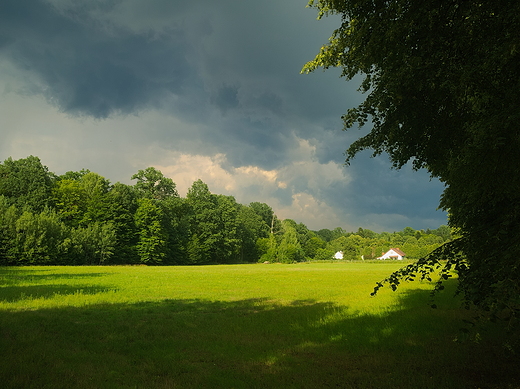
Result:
[[380, 190], [89, 69], [271, 102], [215, 77], [263, 143], [99, 58], [225, 98]]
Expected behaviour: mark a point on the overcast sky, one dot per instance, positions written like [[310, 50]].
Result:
[[198, 89]]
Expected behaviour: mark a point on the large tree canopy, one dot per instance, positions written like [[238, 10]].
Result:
[[442, 84], [26, 182]]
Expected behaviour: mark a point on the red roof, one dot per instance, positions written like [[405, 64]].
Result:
[[398, 252]]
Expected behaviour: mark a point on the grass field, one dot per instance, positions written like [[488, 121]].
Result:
[[307, 325]]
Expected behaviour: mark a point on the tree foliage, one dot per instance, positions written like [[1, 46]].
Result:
[[251, 228], [152, 183], [89, 221], [150, 223], [289, 249], [39, 237], [442, 80], [26, 183], [91, 245]]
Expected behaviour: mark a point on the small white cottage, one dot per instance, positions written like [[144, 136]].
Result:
[[394, 253], [338, 255]]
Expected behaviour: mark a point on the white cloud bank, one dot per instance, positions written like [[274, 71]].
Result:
[[280, 188]]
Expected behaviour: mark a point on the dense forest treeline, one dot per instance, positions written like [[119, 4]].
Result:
[[80, 218]]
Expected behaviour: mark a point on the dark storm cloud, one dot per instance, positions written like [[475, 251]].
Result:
[[87, 68], [100, 58], [205, 78], [231, 67], [380, 190], [249, 141], [225, 98]]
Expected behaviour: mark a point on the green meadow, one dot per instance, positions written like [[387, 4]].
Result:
[[307, 325]]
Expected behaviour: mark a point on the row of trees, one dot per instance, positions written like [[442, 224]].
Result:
[[80, 218], [366, 244]]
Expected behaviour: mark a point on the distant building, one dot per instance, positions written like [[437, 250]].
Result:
[[338, 255], [393, 254]]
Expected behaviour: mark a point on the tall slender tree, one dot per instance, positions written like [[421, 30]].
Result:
[[152, 244], [203, 222], [122, 205]]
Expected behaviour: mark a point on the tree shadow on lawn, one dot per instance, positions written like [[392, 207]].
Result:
[[20, 275], [254, 343], [13, 284], [12, 294]]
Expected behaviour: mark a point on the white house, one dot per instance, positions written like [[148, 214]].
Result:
[[394, 253], [338, 255]]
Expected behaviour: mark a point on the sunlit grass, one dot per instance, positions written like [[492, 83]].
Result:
[[346, 284], [306, 325]]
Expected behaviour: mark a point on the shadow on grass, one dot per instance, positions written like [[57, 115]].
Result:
[[11, 294], [20, 275], [251, 343], [13, 284]]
